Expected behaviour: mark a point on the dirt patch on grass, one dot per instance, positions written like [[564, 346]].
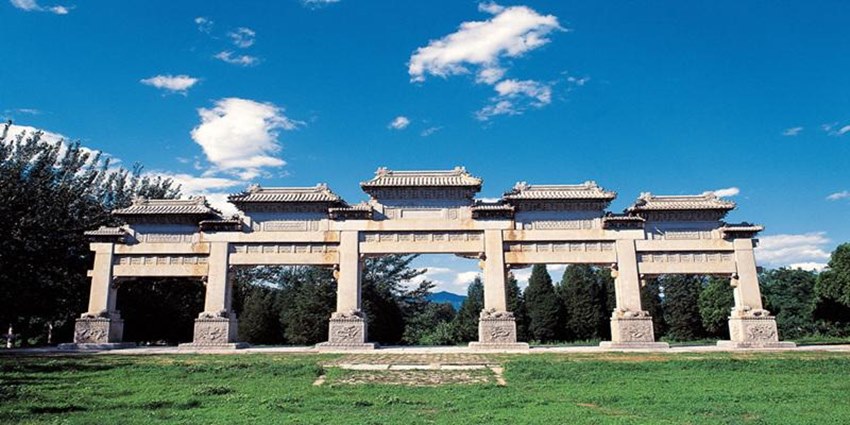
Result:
[[411, 378]]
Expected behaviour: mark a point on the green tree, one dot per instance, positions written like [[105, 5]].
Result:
[[681, 307], [790, 296], [651, 302], [466, 321], [834, 282], [542, 305], [584, 302], [157, 311], [516, 304], [715, 304], [306, 307], [51, 193], [386, 302]]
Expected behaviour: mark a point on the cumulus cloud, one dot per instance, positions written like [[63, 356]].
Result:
[[172, 83], [399, 123], [844, 194], [727, 192], [242, 37], [235, 59], [793, 131], [813, 267], [788, 249], [33, 6], [510, 33], [204, 24], [213, 188], [240, 136]]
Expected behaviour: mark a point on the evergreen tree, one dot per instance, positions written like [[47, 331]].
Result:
[[584, 302], [51, 193], [466, 321], [790, 296], [385, 299], [715, 304], [311, 300], [681, 307], [834, 282], [259, 319], [157, 311], [516, 304], [542, 305], [651, 302]]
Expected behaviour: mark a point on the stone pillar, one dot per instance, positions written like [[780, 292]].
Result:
[[750, 325], [101, 326], [496, 325], [347, 326], [631, 327], [216, 326]]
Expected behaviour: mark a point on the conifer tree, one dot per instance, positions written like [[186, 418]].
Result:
[[516, 304], [584, 302], [789, 295], [681, 307], [466, 321], [715, 303], [651, 302], [542, 305]]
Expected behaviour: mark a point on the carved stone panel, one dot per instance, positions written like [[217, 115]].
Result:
[[754, 331], [215, 330], [632, 329], [349, 330], [98, 330]]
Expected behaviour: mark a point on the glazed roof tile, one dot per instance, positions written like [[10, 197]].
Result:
[[458, 177], [318, 193], [192, 206], [705, 201], [588, 190]]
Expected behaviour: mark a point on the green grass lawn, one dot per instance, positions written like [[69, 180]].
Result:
[[697, 388]]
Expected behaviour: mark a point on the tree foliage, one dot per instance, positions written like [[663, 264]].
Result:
[[715, 303], [542, 306], [466, 322], [52, 193], [584, 296], [681, 307]]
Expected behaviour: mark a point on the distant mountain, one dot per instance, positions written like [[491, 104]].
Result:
[[447, 297]]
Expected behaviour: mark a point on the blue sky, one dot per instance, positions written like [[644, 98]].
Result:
[[668, 97]]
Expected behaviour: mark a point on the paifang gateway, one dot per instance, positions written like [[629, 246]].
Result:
[[427, 212]]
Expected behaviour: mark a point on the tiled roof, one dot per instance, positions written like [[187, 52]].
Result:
[[587, 191], [458, 177], [318, 193], [359, 211], [192, 206], [706, 201], [358, 207], [616, 217], [489, 206], [106, 231]]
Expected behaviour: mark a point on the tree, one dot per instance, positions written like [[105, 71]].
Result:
[[516, 304], [715, 303], [307, 306], [386, 302], [542, 305], [651, 302], [834, 282], [790, 296], [466, 321], [681, 307], [157, 311], [52, 193], [584, 302]]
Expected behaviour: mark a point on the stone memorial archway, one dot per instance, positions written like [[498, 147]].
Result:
[[428, 212]]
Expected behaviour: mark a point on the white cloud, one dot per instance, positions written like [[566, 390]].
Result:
[[204, 24], [815, 267], [242, 37], [172, 83], [839, 195], [465, 278], [727, 192], [784, 250], [833, 131], [513, 97], [240, 136], [399, 123], [233, 59], [33, 6], [793, 131], [313, 4], [213, 188], [502, 107], [490, 76], [25, 131], [510, 33], [430, 130]]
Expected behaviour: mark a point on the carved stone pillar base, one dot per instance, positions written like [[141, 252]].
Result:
[[215, 331], [346, 331], [753, 329], [497, 331], [632, 329], [98, 331]]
